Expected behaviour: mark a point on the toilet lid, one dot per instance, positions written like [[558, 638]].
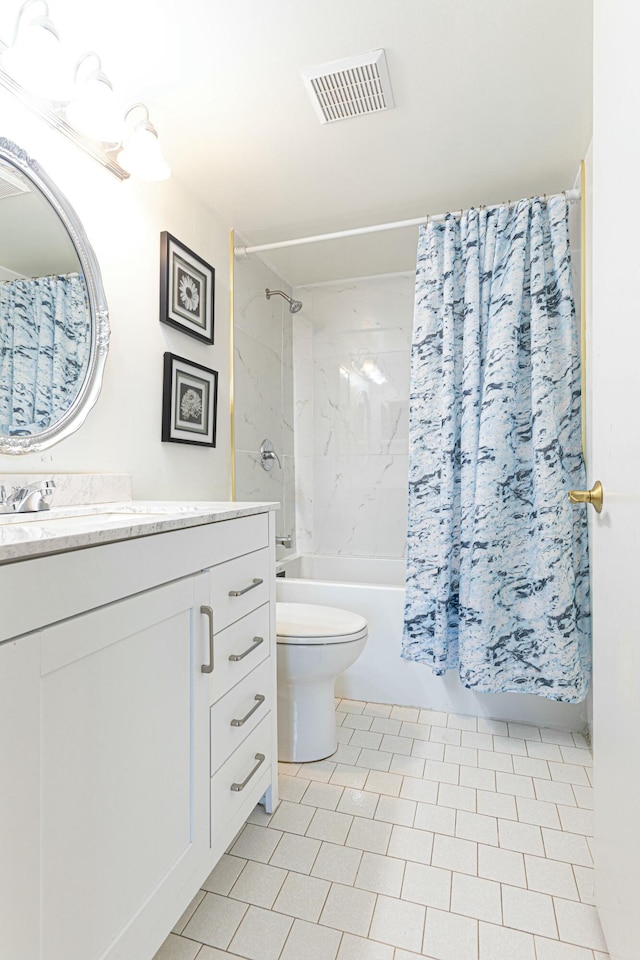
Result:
[[311, 623]]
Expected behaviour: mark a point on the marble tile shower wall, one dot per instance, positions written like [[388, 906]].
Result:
[[263, 373], [351, 379]]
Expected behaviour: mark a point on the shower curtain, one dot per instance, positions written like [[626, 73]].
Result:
[[44, 349], [497, 571]]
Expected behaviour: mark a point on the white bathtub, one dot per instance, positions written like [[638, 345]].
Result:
[[375, 589]]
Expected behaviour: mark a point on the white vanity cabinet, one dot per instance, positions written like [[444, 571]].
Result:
[[128, 767]]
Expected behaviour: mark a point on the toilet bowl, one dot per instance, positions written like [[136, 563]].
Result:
[[315, 645]]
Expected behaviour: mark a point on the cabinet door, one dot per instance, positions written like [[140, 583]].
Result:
[[124, 766], [19, 798]]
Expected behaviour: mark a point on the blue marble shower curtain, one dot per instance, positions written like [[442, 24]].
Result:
[[44, 350], [497, 572]]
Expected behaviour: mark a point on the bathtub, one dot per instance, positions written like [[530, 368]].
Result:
[[374, 588]]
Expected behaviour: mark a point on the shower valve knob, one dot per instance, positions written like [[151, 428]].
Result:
[[268, 456]]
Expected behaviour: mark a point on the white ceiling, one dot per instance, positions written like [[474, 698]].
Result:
[[493, 102]]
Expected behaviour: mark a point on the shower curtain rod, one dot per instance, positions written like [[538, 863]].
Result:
[[241, 252]]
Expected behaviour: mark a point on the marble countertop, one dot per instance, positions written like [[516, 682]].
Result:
[[27, 535]]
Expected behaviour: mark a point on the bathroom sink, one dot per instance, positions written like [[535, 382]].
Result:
[[92, 518], [69, 527], [101, 514], [77, 521]]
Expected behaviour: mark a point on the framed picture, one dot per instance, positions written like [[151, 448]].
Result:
[[189, 402], [187, 285]]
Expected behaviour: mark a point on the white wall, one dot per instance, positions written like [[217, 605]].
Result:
[[351, 432], [263, 389], [123, 222]]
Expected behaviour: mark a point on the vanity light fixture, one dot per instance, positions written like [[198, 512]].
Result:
[[35, 57], [34, 68], [94, 109], [141, 155]]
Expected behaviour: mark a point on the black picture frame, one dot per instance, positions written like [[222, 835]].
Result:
[[187, 289], [189, 402]]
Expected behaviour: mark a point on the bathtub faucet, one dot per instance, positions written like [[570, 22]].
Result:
[[286, 542]]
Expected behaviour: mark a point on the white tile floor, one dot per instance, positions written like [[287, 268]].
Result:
[[426, 835]]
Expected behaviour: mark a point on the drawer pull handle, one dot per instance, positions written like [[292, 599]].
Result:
[[208, 612], [237, 787], [254, 583], [255, 643], [259, 700]]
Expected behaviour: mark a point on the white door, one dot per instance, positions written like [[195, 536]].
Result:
[[615, 460]]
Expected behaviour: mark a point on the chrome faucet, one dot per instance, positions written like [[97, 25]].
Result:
[[30, 499]]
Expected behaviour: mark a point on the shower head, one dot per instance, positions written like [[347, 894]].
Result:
[[294, 305]]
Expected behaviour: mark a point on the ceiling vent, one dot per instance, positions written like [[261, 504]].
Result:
[[11, 186], [350, 87]]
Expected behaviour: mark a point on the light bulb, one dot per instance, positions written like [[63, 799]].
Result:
[[142, 154], [95, 111], [36, 61], [370, 369]]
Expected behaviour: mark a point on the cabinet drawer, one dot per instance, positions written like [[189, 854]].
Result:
[[231, 538], [235, 589], [242, 780], [239, 640], [250, 699]]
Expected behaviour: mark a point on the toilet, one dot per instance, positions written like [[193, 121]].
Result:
[[315, 645]]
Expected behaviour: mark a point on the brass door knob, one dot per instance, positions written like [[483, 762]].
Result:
[[593, 496]]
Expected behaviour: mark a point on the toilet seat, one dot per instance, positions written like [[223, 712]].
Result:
[[312, 624]]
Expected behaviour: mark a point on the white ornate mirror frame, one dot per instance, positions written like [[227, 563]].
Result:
[[89, 391]]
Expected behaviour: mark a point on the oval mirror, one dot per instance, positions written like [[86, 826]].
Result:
[[54, 326]]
